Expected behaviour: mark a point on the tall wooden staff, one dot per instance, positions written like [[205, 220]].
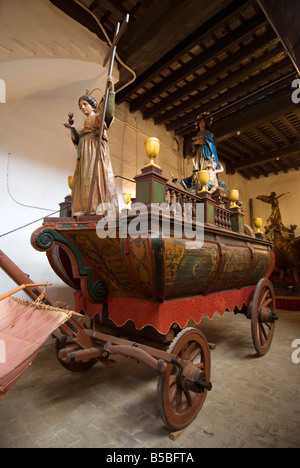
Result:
[[110, 55]]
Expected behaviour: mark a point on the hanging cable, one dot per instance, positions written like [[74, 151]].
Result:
[[9, 193], [28, 224], [109, 42]]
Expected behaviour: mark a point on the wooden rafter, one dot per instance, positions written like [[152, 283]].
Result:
[[198, 62], [235, 59], [262, 158]]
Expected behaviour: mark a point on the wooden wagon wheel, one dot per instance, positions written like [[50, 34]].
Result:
[[178, 401], [263, 316], [79, 366]]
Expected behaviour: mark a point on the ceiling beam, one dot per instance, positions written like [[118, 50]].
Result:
[[118, 11], [284, 17], [149, 24], [270, 108], [263, 158], [221, 67], [242, 94], [182, 48], [207, 56], [223, 84]]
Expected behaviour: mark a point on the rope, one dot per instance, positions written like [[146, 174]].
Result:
[[28, 224]]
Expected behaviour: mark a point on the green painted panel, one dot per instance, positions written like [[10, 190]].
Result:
[[158, 192], [210, 213], [234, 223], [241, 224], [143, 192]]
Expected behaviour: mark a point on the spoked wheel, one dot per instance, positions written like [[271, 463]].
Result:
[[182, 389], [80, 366], [263, 316]]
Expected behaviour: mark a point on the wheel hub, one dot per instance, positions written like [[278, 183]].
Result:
[[266, 315], [192, 378]]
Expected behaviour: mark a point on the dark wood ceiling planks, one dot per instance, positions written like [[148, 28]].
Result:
[[235, 59]]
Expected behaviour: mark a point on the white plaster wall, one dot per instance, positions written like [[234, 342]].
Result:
[[47, 61], [41, 90], [37, 29], [288, 204]]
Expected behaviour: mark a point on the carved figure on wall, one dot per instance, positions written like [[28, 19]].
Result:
[[286, 245], [86, 141]]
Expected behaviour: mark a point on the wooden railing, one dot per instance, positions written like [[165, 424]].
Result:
[[180, 200]]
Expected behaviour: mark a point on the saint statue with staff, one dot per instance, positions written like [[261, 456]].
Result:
[[93, 181], [86, 141]]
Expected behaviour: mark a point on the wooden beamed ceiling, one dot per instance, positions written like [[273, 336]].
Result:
[[236, 59]]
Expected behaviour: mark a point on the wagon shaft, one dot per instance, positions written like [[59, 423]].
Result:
[[189, 376], [72, 354]]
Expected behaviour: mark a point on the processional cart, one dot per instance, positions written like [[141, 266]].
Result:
[[156, 286]]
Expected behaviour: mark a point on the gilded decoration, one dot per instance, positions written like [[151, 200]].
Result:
[[105, 257], [140, 263], [184, 272]]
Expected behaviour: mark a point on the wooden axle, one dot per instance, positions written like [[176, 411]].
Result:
[[189, 375]]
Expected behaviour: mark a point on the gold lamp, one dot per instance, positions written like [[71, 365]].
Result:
[[258, 224], [233, 197], [126, 199], [152, 146], [203, 178]]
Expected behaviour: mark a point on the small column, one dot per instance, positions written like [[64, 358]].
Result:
[[237, 220], [209, 207], [150, 185]]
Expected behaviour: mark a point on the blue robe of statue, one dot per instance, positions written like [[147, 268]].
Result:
[[209, 148]]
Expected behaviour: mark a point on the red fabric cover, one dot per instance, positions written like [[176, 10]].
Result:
[[162, 315], [24, 328]]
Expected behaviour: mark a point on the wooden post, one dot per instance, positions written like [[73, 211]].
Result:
[[17, 275]]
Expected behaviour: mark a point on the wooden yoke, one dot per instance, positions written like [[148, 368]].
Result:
[[110, 55]]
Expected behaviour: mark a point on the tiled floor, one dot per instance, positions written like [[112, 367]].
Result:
[[255, 402]]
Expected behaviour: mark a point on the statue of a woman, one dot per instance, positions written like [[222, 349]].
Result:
[[204, 144], [204, 152], [86, 141]]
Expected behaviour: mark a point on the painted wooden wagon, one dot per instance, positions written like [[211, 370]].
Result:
[[158, 286]]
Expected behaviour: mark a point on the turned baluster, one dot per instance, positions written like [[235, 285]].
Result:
[[172, 201], [194, 209]]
